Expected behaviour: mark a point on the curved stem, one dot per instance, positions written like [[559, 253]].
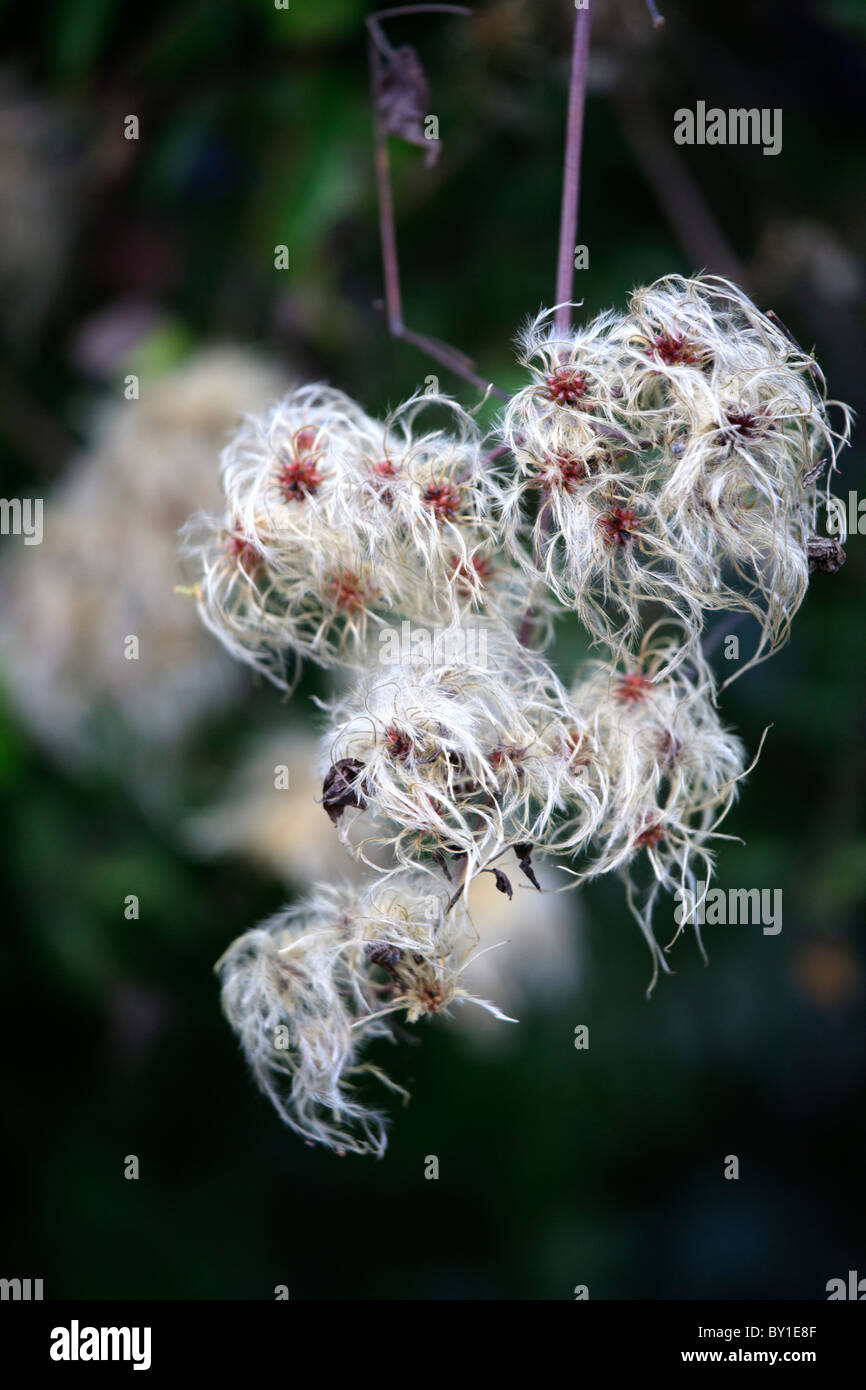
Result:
[[442, 353], [385, 200], [401, 11]]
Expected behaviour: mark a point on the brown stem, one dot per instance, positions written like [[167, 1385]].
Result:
[[567, 230], [450, 357], [493, 454], [442, 353], [524, 632], [571, 167], [384, 197], [527, 625], [401, 11]]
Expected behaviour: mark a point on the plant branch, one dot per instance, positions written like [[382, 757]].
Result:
[[527, 626], [451, 358], [567, 237], [447, 356], [402, 11], [384, 197], [571, 167]]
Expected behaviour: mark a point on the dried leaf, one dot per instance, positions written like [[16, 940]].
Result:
[[340, 790], [402, 95], [524, 859], [503, 883], [814, 472]]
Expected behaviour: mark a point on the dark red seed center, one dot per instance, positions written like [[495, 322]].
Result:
[[620, 525], [565, 386]]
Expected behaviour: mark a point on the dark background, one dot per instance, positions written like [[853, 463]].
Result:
[[558, 1167]]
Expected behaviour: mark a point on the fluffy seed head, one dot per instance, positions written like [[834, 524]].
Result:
[[455, 758], [310, 988]]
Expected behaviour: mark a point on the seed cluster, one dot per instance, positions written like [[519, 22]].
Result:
[[659, 466]]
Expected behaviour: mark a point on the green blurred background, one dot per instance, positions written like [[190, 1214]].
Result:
[[558, 1167]]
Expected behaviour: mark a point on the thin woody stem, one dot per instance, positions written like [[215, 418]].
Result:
[[571, 167], [527, 625], [451, 358], [384, 197], [401, 11], [544, 523], [442, 353], [567, 233], [493, 454]]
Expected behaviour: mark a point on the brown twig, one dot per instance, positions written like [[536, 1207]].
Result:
[[402, 11], [387, 231], [492, 455], [567, 232], [571, 167], [443, 353], [527, 624]]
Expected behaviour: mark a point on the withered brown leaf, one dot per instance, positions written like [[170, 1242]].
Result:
[[340, 789], [524, 859], [402, 96]]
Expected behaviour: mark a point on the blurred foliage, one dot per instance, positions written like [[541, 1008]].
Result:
[[558, 1167]]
